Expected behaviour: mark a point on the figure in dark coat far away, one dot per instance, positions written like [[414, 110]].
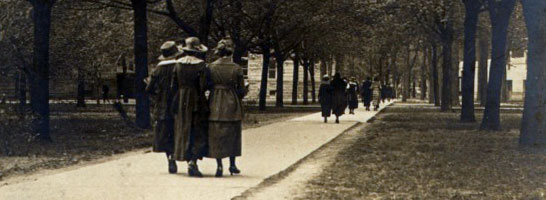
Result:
[[352, 95], [366, 92], [339, 103], [190, 106], [159, 90], [325, 97], [226, 108], [105, 91]]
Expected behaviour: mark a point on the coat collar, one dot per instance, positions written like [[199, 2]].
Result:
[[223, 60], [190, 60]]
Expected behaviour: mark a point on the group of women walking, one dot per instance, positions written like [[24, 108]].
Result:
[[197, 107], [339, 94]]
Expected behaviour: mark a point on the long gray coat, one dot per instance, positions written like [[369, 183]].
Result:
[[190, 109], [159, 90], [226, 109]]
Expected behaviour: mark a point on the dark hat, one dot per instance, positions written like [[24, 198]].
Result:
[[169, 51], [194, 44]]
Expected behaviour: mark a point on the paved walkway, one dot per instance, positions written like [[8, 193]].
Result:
[[267, 151]]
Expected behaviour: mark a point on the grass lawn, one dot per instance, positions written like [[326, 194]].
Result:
[[416, 153], [85, 134]]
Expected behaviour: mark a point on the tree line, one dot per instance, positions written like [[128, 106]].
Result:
[[406, 43]]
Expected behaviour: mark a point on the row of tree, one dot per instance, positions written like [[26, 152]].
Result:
[[403, 42]]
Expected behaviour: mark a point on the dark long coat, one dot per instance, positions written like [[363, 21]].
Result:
[[340, 96], [190, 109], [226, 109], [352, 95], [325, 96], [163, 120], [366, 93]]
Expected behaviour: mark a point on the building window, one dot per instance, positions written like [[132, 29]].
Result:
[[272, 70], [272, 92]]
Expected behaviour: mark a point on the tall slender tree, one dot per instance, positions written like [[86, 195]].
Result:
[[140, 19], [472, 11], [533, 124], [499, 14], [39, 87]]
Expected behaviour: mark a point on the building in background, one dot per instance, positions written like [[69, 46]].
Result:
[[516, 75], [253, 72]]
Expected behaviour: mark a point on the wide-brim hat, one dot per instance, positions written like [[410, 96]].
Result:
[[193, 44], [169, 51]]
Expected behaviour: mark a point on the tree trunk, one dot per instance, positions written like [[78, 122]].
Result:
[[141, 63], [295, 79], [407, 74], [472, 10], [238, 54], [206, 20], [505, 96], [533, 125], [483, 46], [306, 82], [447, 42], [39, 87], [279, 58], [21, 92], [423, 80], [340, 64], [265, 70], [313, 85], [499, 13], [81, 89], [455, 76], [435, 81]]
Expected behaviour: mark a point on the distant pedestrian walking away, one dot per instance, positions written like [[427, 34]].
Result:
[[190, 106], [339, 102], [226, 108], [376, 88], [325, 96], [352, 95], [105, 91], [366, 92], [159, 90]]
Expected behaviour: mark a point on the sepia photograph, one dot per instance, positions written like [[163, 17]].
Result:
[[272, 99]]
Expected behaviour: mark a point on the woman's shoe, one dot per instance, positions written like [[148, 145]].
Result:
[[194, 171], [172, 167], [234, 170], [219, 172]]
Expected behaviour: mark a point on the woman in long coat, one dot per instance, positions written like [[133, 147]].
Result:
[[367, 93], [190, 106], [159, 89], [340, 96], [325, 98], [376, 87], [352, 95], [226, 108]]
